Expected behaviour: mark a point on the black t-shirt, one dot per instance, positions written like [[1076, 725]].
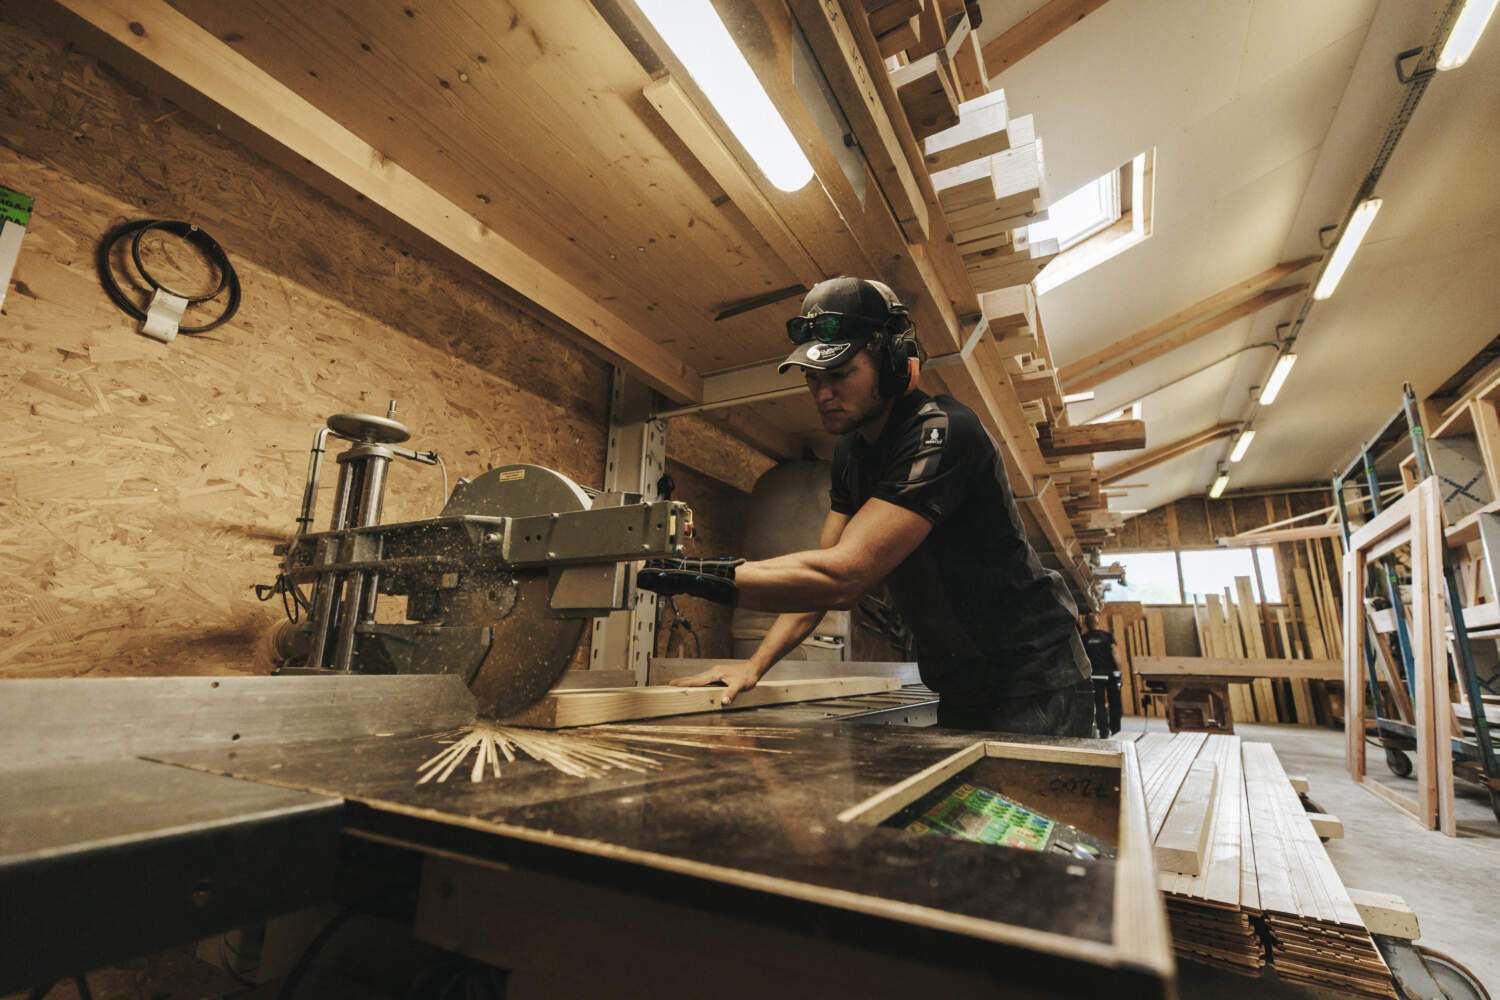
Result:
[[990, 620], [1097, 644]]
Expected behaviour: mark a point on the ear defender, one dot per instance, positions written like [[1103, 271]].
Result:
[[900, 365], [913, 372]]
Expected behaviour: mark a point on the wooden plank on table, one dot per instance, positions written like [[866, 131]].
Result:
[[1205, 666], [1182, 843], [1314, 887], [1171, 767], [588, 707]]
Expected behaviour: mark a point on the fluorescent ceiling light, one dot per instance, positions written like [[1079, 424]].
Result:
[[1241, 445], [698, 38], [1354, 232], [1078, 397], [1278, 375], [1465, 33], [1218, 486]]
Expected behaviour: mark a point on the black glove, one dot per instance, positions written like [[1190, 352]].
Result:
[[712, 579]]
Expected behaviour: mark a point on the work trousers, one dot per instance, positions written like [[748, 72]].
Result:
[[1064, 712]]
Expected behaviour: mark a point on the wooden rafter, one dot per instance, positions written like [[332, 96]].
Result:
[[1085, 439], [1230, 297], [1183, 337], [175, 46], [1034, 31], [1165, 453]]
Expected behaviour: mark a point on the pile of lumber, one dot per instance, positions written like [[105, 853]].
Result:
[[933, 46], [1137, 632], [1246, 880], [1244, 629]]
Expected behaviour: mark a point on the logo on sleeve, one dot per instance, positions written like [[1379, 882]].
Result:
[[934, 435], [822, 353]]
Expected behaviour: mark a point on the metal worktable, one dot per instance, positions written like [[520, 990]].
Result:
[[537, 868]]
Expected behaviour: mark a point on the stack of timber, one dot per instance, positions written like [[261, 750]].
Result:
[[1237, 627], [1137, 632], [1246, 880], [937, 36]]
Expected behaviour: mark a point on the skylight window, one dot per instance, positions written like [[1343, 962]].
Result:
[[1101, 219], [1075, 218]]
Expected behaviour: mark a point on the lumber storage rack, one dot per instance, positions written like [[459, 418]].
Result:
[[1473, 758]]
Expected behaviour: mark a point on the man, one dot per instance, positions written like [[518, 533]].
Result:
[[1104, 658], [920, 499]]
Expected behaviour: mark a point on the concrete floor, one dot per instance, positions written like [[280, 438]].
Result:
[[1449, 882]]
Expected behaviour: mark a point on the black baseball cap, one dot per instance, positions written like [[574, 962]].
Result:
[[838, 317]]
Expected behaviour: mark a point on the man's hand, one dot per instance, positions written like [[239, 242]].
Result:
[[712, 579], [736, 677]]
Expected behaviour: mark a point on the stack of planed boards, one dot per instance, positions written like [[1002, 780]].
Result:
[[1265, 891]]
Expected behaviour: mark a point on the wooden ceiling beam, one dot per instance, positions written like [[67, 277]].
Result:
[[174, 50], [677, 109], [1034, 31], [837, 50], [1086, 439], [1183, 337], [1167, 452], [1214, 304]]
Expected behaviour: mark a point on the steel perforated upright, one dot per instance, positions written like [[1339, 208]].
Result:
[[635, 462]]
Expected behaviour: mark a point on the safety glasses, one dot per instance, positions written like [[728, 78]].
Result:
[[828, 327]]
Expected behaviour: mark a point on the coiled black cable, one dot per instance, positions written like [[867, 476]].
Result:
[[186, 230]]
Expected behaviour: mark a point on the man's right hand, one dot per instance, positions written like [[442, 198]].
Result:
[[736, 677]]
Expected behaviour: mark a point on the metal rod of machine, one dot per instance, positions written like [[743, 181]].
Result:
[[314, 472], [371, 460], [326, 593], [372, 504]]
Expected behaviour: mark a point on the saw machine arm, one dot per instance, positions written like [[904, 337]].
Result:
[[499, 585]]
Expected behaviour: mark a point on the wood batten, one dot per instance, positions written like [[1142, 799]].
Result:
[[192, 57], [1184, 337], [1076, 373], [1085, 439], [853, 83], [1167, 452], [1035, 30]]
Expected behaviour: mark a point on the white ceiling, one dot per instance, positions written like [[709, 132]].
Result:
[[1265, 116]]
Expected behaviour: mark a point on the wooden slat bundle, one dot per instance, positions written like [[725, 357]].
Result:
[[1266, 892]]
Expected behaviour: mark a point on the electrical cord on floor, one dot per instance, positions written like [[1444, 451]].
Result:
[[304, 961]]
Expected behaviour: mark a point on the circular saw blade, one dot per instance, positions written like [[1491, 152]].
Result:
[[530, 648]]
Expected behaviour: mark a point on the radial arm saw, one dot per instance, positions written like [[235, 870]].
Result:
[[499, 585]]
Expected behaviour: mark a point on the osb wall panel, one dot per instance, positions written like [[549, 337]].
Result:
[[142, 486]]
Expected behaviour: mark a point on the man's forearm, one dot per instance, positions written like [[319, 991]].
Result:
[[784, 635], [815, 579]]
